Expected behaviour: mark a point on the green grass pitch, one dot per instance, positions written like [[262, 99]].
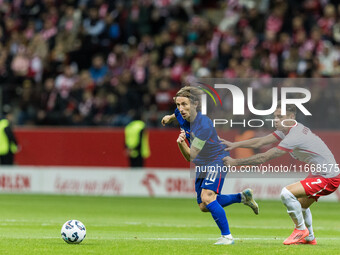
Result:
[[30, 224]]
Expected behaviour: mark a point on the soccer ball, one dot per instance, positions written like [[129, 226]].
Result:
[[73, 232]]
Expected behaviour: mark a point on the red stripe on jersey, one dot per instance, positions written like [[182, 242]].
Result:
[[284, 149], [219, 182], [278, 138]]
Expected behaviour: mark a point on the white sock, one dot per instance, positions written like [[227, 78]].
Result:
[[228, 236], [293, 208], [307, 215]]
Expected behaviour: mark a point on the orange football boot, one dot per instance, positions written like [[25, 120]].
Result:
[[296, 236], [304, 241]]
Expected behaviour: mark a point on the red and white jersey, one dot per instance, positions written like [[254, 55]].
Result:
[[302, 144]]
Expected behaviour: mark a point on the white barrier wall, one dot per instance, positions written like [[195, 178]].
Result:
[[126, 182]]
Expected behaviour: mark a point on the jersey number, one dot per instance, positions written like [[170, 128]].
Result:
[[317, 181], [212, 176]]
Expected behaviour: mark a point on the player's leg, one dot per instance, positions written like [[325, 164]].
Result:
[[209, 200], [311, 189], [198, 188], [307, 215], [212, 185], [202, 207], [289, 197], [229, 199], [245, 197], [223, 199]]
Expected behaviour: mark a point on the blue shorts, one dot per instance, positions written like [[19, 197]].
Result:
[[211, 180]]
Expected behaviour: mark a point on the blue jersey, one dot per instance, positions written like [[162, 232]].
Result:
[[203, 129], [184, 124]]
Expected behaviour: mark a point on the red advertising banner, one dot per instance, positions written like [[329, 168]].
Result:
[[106, 147]]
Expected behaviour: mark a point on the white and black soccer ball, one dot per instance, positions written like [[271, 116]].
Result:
[[73, 232]]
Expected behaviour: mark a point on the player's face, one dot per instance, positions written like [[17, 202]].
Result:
[[280, 119], [183, 105]]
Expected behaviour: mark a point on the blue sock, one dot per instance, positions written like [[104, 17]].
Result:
[[225, 200], [219, 216]]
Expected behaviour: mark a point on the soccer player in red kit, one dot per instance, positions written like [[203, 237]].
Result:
[[303, 145]]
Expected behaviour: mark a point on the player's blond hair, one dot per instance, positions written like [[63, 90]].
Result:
[[193, 93]]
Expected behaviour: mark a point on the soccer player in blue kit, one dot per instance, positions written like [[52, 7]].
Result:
[[207, 153]]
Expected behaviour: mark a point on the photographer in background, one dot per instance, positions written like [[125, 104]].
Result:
[[8, 142], [137, 141]]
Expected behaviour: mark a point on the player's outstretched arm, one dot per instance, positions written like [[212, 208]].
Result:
[[167, 119], [256, 159], [253, 143]]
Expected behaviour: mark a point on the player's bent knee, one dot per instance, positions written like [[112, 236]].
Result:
[[208, 196], [286, 194], [283, 194], [203, 208]]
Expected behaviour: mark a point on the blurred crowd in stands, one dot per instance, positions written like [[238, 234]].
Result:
[[97, 62]]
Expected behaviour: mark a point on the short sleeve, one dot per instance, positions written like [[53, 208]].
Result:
[[201, 137], [201, 132], [290, 142], [204, 133]]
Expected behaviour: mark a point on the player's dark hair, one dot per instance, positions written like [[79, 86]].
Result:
[[289, 107], [193, 93]]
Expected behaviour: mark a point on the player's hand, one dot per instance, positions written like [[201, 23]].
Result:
[[166, 120], [230, 145], [229, 161], [181, 137]]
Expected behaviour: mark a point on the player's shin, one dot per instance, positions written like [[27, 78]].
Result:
[[307, 215], [293, 208], [225, 200], [219, 216]]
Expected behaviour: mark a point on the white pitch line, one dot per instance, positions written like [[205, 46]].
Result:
[[279, 239], [150, 224], [200, 239], [7, 222]]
